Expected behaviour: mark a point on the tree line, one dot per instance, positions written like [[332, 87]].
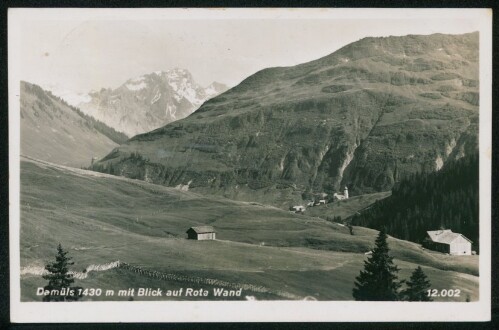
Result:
[[90, 122], [447, 199], [108, 131]]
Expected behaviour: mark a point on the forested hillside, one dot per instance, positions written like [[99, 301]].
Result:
[[445, 199]]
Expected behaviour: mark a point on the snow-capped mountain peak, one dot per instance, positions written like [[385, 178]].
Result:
[[149, 101], [136, 84]]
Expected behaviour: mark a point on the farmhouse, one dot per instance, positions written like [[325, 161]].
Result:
[[201, 233], [447, 242]]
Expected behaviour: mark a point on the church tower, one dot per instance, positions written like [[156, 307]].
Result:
[[345, 192]]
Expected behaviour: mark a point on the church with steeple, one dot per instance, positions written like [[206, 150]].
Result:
[[341, 196]]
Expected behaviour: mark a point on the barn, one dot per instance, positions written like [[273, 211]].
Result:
[[201, 233], [447, 242]]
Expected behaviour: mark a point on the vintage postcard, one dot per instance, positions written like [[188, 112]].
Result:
[[199, 165]]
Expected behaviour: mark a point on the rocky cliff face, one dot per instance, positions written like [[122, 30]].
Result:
[[150, 101], [365, 116]]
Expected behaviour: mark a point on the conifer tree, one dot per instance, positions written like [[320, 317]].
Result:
[[59, 278], [417, 287], [378, 280]]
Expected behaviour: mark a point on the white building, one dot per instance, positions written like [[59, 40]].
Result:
[[298, 208], [339, 196], [448, 242]]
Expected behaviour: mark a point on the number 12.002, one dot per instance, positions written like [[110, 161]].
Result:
[[444, 293]]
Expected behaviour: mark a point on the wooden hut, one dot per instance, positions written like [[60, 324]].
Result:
[[201, 233]]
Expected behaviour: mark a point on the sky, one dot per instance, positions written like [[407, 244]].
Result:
[[88, 50]]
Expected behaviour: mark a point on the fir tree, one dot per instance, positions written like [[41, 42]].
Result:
[[378, 280], [417, 287], [59, 279]]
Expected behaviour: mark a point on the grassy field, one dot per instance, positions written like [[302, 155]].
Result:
[[101, 218]]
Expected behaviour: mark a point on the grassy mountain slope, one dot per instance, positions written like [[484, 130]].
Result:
[[54, 131], [101, 218], [366, 116], [110, 132]]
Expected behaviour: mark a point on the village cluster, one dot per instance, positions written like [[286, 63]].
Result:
[[321, 200]]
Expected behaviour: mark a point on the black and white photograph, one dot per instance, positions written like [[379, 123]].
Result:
[[263, 164]]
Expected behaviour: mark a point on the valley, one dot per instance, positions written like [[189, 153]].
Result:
[[101, 218], [389, 121]]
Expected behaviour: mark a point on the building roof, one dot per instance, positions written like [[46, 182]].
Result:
[[445, 236], [202, 229]]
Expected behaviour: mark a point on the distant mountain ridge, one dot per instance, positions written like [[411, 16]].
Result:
[[54, 131], [366, 116], [147, 102]]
